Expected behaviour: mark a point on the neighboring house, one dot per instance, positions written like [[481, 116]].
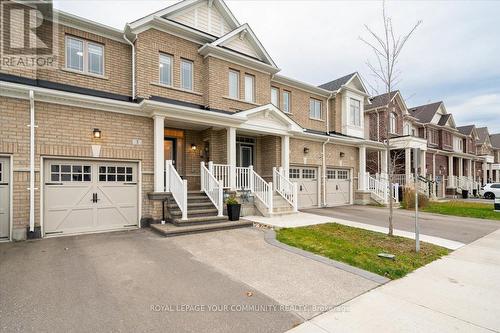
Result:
[[495, 168], [185, 85], [486, 151]]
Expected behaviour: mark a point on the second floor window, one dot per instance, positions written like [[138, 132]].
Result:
[[234, 84], [432, 137], [286, 101], [355, 112], [84, 56], [392, 127], [275, 96], [314, 109], [186, 74], [165, 69], [249, 88]]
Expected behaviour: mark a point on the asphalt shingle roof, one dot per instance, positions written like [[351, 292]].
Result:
[[482, 133], [444, 118], [466, 130], [380, 100], [495, 140], [425, 113], [337, 83]]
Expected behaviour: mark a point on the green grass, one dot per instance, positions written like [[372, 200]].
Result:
[[465, 209], [360, 248]]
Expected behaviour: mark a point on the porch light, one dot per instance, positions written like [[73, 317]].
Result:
[[306, 150], [342, 154], [193, 147], [97, 133]]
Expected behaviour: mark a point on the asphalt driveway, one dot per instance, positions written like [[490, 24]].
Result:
[[139, 281], [460, 229]]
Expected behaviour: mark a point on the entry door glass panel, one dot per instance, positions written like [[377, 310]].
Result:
[[169, 150], [246, 156]]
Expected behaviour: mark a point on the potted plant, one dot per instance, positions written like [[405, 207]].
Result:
[[233, 209]]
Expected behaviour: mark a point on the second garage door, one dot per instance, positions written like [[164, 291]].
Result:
[[89, 196], [307, 182], [338, 187]]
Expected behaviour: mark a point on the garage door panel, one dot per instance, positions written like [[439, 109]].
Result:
[[91, 196], [307, 185], [338, 187], [4, 197]]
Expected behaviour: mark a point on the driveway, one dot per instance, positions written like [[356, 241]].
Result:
[[139, 281], [460, 229]]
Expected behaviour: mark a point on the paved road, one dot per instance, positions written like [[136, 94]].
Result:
[[460, 229], [109, 282], [459, 293]]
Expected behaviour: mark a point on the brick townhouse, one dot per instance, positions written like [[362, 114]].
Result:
[[185, 106], [454, 158]]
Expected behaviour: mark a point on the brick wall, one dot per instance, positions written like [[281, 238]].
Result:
[[67, 132]]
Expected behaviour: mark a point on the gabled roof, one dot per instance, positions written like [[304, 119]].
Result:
[[483, 135], [466, 130], [495, 140], [338, 83], [248, 33], [444, 119], [425, 113], [382, 101]]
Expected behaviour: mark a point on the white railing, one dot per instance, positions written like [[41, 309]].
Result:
[[177, 186], [262, 190], [380, 189], [285, 187], [452, 181], [399, 179], [243, 179], [423, 187], [222, 173], [211, 186]]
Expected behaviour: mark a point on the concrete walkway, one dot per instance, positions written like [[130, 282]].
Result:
[[459, 293], [302, 219]]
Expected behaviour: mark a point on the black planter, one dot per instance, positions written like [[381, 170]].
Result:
[[233, 212], [474, 193], [465, 194]]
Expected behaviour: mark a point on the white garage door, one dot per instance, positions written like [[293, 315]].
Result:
[[338, 187], [87, 196], [307, 183], [4, 197]]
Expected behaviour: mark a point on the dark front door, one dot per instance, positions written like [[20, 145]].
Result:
[[246, 156], [170, 150]]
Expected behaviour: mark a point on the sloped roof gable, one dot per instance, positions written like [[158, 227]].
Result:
[[337, 83], [425, 113], [495, 140]]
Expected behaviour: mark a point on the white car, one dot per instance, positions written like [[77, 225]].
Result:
[[490, 191]]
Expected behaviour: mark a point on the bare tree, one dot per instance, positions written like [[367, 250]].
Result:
[[387, 49]]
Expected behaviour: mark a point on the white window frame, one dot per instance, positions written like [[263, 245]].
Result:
[[190, 62], [85, 56], [237, 73], [310, 172], [72, 172], [287, 102], [354, 112], [315, 109], [107, 173], [275, 92], [250, 99], [393, 122], [165, 55]]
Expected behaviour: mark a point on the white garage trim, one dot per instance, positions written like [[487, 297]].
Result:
[[341, 179], [11, 195], [44, 159], [300, 180]]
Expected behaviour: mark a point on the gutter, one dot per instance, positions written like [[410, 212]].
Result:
[[323, 204], [133, 64], [328, 113], [32, 160]]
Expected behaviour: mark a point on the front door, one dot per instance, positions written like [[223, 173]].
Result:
[[246, 156], [4, 197], [170, 150]]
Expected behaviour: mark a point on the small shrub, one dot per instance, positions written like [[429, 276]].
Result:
[[409, 199], [232, 201]]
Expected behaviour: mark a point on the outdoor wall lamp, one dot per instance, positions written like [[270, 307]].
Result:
[[193, 147], [96, 133], [342, 154], [306, 150]]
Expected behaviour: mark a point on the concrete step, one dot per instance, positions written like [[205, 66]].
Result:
[[170, 230], [193, 205], [199, 220], [194, 212]]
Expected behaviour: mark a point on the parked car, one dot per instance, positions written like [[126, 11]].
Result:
[[490, 191]]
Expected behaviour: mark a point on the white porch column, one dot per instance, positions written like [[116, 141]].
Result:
[[408, 164], [159, 154], [460, 167], [362, 169], [231, 156], [433, 167], [474, 173], [285, 154], [469, 169], [491, 172], [497, 179], [451, 183], [485, 172], [383, 164], [423, 162]]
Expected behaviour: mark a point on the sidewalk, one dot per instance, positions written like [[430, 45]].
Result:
[[302, 219], [459, 293]]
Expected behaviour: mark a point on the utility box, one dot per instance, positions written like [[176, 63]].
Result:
[[497, 205]]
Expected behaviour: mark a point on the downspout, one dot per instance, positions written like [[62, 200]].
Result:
[[324, 172], [32, 160], [133, 65], [328, 113]]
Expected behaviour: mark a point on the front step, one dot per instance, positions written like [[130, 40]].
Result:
[[195, 212], [198, 220], [170, 230]]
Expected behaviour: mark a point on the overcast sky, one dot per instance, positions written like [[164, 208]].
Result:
[[454, 56]]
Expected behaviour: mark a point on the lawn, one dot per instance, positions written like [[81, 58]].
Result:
[[465, 209], [360, 248]]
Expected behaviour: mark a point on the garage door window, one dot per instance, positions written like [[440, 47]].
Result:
[[342, 174], [308, 174], [115, 174], [294, 173], [331, 174], [70, 173]]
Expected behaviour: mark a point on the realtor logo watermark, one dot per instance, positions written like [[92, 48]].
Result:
[[28, 34]]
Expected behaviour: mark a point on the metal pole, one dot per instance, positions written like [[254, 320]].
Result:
[[417, 236]]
